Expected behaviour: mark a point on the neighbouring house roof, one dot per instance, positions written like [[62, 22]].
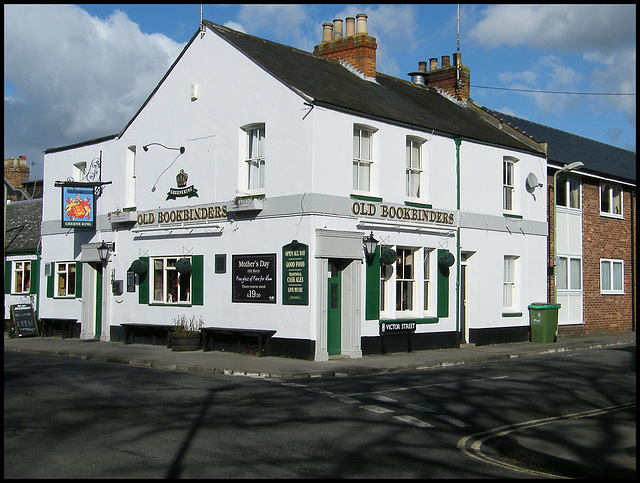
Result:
[[23, 226], [565, 148]]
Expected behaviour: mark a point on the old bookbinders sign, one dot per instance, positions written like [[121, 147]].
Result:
[[23, 320]]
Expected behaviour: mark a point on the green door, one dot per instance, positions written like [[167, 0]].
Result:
[[333, 310]]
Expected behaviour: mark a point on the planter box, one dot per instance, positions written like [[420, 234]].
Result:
[[185, 341], [123, 217]]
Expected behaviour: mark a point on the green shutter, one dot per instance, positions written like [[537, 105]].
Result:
[[443, 288], [35, 276], [197, 280], [51, 280], [7, 276], [372, 291], [143, 284], [78, 280]]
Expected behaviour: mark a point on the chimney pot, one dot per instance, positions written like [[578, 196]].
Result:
[[337, 29], [433, 63], [422, 66], [327, 32], [351, 26], [361, 27], [446, 61]]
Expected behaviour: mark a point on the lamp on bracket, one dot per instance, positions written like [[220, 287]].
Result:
[[146, 147], [370, 245], [104, 249]]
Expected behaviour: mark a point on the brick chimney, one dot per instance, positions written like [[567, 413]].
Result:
[[15, 170], [356, 48], [453, 79]]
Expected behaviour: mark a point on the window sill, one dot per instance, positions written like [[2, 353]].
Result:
[[512, 314], [417, 204], [375, 199], [611, 215], [509, 215]]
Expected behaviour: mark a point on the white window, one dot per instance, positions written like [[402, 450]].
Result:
[[405, 280], [130, 179], [508, 183], [569, 273], [568, 192], [362, 158], [66, 279], [255, 158], [169, 285], [611, 200], [611, 276], [427, 279], [509, 284], [414, 167], [79, 171], [21, 275]]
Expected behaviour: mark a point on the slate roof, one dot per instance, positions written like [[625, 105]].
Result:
[[564, 148], [327, 83], [23, 226]]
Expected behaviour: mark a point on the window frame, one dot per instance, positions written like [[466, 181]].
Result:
[[70, 284], [612, 188], [412, 171], [254, 158], [509, 183], [511, 284], [611, 290], [403, 253], [569, 273], [164, 286], [564, 187], [360, 162], [20, 273]]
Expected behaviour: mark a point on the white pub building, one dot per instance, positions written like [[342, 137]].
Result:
[[266, 190]]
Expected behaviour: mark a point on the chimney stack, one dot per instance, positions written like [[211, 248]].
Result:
[[357, 48], [16, 170], [453, 79]]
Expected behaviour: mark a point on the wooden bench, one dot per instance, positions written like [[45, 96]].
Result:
[[64, 326], [235, 340], [154, 331]]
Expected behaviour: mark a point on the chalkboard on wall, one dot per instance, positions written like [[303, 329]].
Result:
[[23, 321]]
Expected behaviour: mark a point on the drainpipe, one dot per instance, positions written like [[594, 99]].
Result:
[[458, 142]]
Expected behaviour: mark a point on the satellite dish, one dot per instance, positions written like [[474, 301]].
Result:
[[532, 183]]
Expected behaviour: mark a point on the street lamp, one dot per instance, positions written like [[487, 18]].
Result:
[[565, 169]]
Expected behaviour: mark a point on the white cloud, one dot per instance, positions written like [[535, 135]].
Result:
[[79, 77], [565, 27]]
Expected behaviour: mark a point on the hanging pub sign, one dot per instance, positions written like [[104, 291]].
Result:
[[254, 278], [182, 189], [78, 206], [295, 274]]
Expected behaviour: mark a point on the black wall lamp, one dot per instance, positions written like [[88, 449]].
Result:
[[104, 249], [370, 245], [146, 147]]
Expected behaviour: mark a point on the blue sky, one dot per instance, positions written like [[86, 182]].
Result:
[[78, 72]]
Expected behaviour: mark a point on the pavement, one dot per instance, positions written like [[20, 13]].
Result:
[[571, 456]]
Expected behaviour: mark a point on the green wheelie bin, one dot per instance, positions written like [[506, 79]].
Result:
[[543, 318]]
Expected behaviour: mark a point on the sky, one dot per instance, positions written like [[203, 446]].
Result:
[[73, 73]]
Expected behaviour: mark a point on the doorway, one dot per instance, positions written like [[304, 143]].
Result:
[[334, 304]]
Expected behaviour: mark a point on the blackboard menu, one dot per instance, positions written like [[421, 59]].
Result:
[[295, 274], [23, 320], [254, 278]]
